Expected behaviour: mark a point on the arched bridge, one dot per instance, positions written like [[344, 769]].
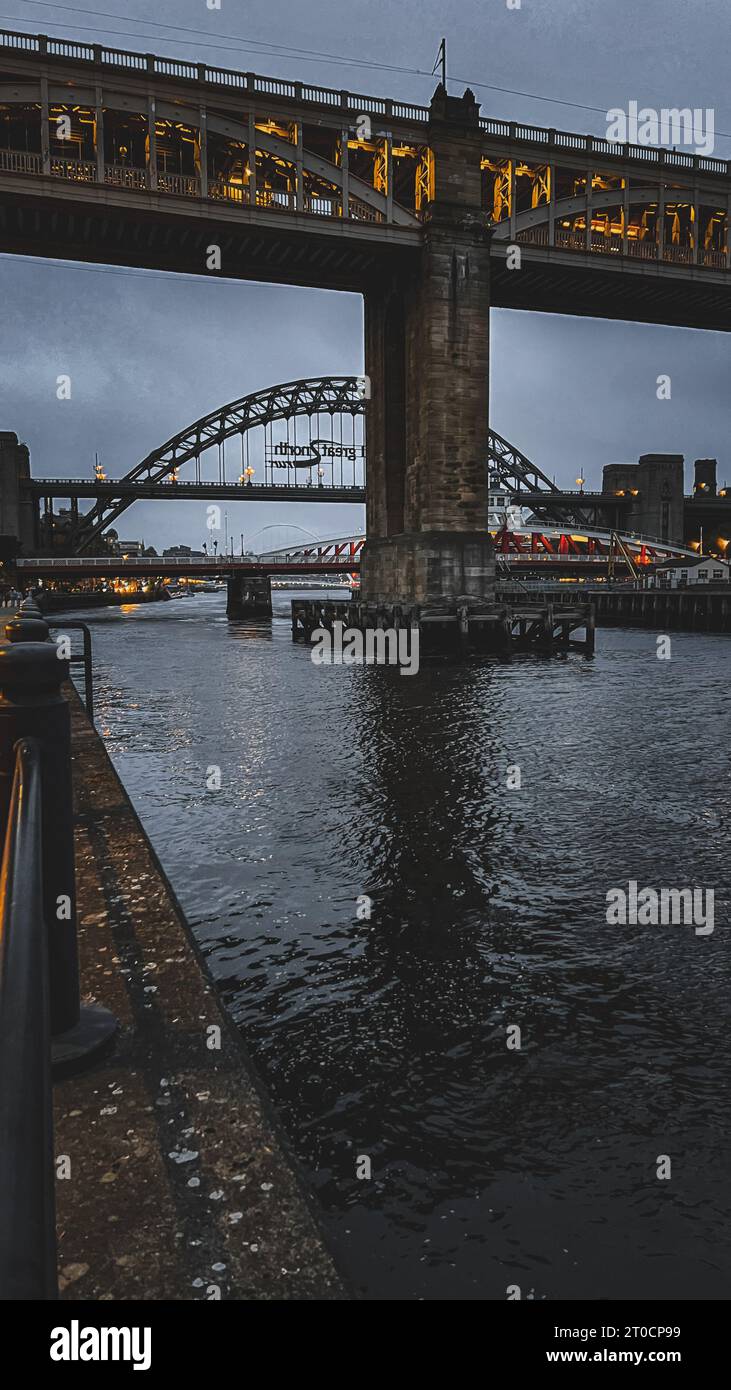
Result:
[[342, 452], [311, 399]]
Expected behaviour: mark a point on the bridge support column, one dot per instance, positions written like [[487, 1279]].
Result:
[[249, 596], [427, 357]]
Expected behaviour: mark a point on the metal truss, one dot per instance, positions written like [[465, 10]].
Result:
[[328, 395], [518, 475]]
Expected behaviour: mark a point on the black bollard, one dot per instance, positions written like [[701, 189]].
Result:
[[32, 705]]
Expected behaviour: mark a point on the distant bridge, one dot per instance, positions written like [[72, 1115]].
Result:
[[317, 463], [311, 399], [69, 569]]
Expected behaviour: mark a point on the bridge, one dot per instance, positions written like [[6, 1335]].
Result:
[[322, 462], [433, 213], [292, 184], [315, 465], [74, 567]]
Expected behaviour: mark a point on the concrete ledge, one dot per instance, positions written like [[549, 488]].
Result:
[[180, 1186]]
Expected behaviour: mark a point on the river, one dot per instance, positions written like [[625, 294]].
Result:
[[390, 1037]]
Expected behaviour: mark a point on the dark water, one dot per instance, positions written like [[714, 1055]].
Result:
[[387, 1038]]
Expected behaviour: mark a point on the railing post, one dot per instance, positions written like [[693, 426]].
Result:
[[32, 705], [27, 1177]]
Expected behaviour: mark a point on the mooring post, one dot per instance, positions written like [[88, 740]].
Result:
[[590, 628], [32, 705]]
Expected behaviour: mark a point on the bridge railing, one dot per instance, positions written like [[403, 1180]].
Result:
[[592, 145], [82, 659], [27, 1178], [44, 1029], [343, 101], [255, 83]]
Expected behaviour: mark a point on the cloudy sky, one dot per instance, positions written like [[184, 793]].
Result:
[[148, 353]]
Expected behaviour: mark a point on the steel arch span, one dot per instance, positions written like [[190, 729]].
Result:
[[325, 395], [517, 474], [308, 396]]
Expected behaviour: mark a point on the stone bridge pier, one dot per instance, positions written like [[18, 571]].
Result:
[[249, 596], [427, 360]]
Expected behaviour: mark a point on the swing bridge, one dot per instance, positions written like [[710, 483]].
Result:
[[298, 441]]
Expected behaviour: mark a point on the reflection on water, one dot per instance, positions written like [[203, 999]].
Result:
[[388, 1037]]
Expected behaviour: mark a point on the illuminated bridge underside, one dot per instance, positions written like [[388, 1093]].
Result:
[[163, 158]]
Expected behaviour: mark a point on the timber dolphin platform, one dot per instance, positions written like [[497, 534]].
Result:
[[695, 608], [448, 628]]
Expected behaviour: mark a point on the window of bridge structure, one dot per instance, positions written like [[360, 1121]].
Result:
[[125, 148], [229, 171], [569, 193], [679, 226], [607, 216], [368, 164], [496, 187], [712, 236], [178, 155], [20, 128], [642, 228], [71, 140], [276, 171]]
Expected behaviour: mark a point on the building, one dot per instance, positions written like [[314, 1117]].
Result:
[[681, 574], [182, 552], [651, 493]]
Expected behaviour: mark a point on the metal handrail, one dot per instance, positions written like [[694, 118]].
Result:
[[253, 84], [27, 1220], [84, 660]]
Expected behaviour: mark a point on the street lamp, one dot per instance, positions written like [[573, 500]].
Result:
[[580, 484]]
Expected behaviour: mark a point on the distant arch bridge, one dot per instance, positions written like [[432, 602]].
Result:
[[323, 464]]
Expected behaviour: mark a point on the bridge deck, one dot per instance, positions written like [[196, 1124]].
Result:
[[170, 492]]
